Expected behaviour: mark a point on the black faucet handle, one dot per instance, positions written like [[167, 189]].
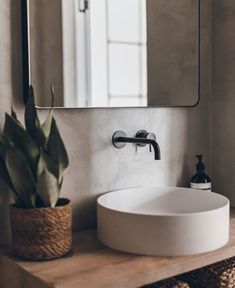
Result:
[[151, 136], [141, 134], [145, 135]]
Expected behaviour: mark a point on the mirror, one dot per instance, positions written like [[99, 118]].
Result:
[[113, 53]]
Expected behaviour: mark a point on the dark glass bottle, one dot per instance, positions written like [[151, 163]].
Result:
[[200, 180]]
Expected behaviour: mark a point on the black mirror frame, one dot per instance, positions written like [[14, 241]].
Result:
[[25, 48], [26, 65]]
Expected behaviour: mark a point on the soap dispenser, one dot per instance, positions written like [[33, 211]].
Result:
[[200, 180]]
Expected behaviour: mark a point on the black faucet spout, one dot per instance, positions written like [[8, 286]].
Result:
[[156, 148], [138, 141]]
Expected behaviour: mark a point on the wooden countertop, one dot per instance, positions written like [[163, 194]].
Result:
[[91, 265]]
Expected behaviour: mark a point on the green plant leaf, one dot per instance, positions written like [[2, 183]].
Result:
[[32, 122], [1, 136], [31, 117], [48, 188], [4, 145], [52, 95], [61, 183], [3, 140], [7, 180], [2, 149], [4, 174], [21, 177], [19, 137], [56, 149], [13, 114], [3, 170], [46, 126], [39, 202], [46, 162]]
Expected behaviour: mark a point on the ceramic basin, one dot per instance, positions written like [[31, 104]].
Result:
[[165, 221]]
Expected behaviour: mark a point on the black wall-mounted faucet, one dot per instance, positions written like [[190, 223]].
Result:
[[141, 139]]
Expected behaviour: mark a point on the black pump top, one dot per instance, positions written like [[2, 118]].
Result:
[[200, 166], [200, 176]]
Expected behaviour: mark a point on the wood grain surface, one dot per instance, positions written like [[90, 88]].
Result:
[[91, 265]]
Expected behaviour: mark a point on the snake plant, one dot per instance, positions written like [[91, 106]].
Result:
[[32, 158]]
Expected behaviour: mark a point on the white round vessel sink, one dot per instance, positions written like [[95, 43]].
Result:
[[164, 221]]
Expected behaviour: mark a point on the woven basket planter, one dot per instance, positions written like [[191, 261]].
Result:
[[219, 275], [42, 233], [170, 283]]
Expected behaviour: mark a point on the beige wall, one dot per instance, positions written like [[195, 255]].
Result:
[[97, 167], [223, 100]]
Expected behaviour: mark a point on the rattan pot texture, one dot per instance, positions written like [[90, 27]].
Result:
[[42, 233]]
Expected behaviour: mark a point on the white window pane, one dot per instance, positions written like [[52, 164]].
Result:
[[144, 73], [125, 101], [144, 101], [124, 69], [127, 20], [98, 53], [143, 19]]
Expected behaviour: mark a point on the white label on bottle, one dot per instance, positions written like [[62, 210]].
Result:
[[201, 186]]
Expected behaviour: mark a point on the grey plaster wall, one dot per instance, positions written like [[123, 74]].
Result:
[[223, 99], [172, 52], [46, 50], [95, 166]]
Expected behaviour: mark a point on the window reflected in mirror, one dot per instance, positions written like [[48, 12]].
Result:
[[114, 53]]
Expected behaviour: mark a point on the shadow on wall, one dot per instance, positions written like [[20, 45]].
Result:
[[16, 52], [5, 197], [15, 93]]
